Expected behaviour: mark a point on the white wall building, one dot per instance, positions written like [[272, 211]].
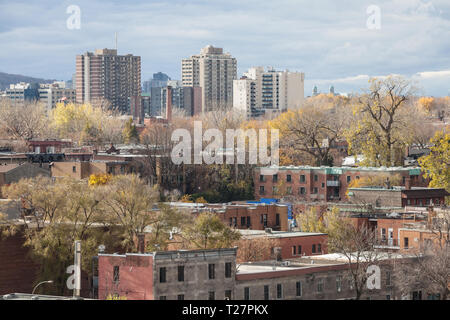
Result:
[[270, 92]]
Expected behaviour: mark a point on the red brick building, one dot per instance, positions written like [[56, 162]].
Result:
[[291, 244], [323, 183]]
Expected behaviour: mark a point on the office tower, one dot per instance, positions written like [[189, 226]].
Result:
[[22, 92], [51, 94], [270, 92], [106, 75], [159, 80], [213, 71], [187, 99]]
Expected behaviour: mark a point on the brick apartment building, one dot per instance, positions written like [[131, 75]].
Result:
[[307, 183], [398, 196], [290, 244], [214, 275], [84, 169], [171, 275], [258, 216]]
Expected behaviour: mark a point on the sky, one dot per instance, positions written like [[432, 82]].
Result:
[[333, 42]]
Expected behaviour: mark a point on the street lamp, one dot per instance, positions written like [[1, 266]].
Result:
[[48, 281]]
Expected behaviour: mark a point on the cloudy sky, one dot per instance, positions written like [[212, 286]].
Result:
[[328, 40]]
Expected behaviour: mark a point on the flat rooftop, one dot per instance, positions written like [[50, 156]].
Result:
[[251, 234]]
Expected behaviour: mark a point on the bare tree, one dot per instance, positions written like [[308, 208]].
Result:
[[23, 121], [356, 244], [429, 267]]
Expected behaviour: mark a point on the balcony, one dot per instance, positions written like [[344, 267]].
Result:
[[388, 243], [333, 183]]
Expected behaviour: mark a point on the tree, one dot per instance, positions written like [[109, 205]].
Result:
[[426, 103], [255, 249], [312, 129], [24, 121], [377, 131], [329, 222], [429, 267], [436, 165], [208, 232], [86, 123], [356, 245], [131, 204], [129, 133]]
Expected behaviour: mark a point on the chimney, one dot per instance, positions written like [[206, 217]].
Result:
[[408, 183], [141, 242], [169, 104]]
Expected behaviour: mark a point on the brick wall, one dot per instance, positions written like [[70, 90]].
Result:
[[17, 271]]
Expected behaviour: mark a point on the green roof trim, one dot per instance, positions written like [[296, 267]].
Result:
[[414, 172]]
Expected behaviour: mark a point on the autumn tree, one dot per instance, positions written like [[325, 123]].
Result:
[[86, 123], [129, 133], [23, 121], [357, 245], [436, 165], [429, 267], [258, 249], [208, 232], [378, 128], [312, 129]]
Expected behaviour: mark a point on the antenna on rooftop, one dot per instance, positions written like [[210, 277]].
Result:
[[115, 36]]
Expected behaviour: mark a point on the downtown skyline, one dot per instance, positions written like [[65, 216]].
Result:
[[330, 44]]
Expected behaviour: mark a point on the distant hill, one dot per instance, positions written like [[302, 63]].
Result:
[[6, 79]]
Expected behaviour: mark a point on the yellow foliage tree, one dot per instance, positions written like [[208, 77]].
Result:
[[99, 179], [426, 103]]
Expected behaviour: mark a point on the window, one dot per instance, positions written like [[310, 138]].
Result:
[[289, 190], [116, 274], [266, 292], [279, 291], [316, 178], [313, 248], [74, 169], [388, 278], [242, 221], [323, 185], [162, 298], [298, 287], [319, 247], [211, 270], [235, 221], [180, 273], [211, 295], [181, 297], [248, 222], [406, 241], [299, 251], [388, 297], [227, 294], [315, 190], [288, 178], [277, 219], [162, 274], [246, 293], [261, 189], [275, 178], [265, 220], [227, 269], [339, 283], [294, 250], [261, 178], [302, 190], [320, 285], [302, 178], [349, 179]]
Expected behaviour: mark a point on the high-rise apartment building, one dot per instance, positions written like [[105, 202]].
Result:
[[270, 92], [213, 71], [51, 94], [159, 80], [106, 75], [185, 98]]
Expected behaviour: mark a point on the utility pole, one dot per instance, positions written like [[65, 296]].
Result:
[[77, 260]]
